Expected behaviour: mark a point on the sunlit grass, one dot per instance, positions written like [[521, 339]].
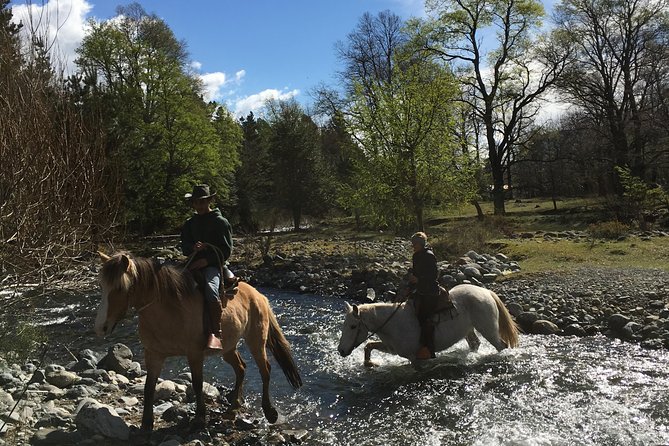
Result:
[[542, 255]]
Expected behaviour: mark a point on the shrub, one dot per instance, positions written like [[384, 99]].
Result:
[[470, 235], [608, 230], [20, 340]]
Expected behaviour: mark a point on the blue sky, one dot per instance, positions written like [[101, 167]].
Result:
[[245, 51]]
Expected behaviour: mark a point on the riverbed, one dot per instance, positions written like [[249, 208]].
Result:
[[552, 390]]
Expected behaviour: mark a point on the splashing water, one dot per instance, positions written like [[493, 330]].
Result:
[[551, 391]]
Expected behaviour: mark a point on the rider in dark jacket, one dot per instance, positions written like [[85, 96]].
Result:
[[207, 236], [425, 279]]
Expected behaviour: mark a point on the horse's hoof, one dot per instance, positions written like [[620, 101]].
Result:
[[271, 414], [199, 423], [139, 436], [370, 364]]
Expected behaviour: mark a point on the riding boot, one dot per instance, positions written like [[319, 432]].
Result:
[[214, 337], [426, 350]]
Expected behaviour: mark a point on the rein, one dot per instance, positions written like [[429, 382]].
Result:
[[219, 256], [375, 331]]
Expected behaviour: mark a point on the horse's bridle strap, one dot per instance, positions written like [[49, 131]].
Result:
[[373, 332]]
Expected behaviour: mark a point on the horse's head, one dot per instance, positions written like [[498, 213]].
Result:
[[117, 276], [353, 331]]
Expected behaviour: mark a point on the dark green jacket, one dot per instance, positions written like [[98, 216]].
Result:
[[210, 228]]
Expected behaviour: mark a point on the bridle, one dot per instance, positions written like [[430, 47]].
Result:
[[376, 330]]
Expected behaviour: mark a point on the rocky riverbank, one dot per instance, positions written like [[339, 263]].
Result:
[[629, 304], [93, 401], [96, 400]]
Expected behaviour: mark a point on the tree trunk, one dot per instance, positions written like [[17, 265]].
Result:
[[419, 218], [498, 189], [479, 211], [297, 218]]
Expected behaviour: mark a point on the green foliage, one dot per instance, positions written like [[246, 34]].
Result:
[[20, 340], [253, 178], [639, 198], [298, 170], [162, 137], [611, 230], [409, 160]]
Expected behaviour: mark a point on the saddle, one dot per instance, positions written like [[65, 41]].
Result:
[[444, 304]]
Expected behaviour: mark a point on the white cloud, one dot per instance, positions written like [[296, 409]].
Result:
[[196, 65], [256, 102], [61, 22], [240, 75], [213, 85]]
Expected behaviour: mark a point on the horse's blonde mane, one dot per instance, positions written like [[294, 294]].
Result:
[[147, 277]]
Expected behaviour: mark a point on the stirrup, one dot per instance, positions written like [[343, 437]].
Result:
[[213, 342], [232, 288]]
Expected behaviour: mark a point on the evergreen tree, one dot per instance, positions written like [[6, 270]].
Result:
[[161, 135], [298, 174]]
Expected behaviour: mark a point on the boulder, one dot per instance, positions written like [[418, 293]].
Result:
[[54, 437], [574, 330], [119, 360], [101, 419], [526, 319], [617, 321], [56, 375], [514, 308], [544, 327]]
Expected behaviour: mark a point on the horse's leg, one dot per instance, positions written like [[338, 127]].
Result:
[[257, 349], [239, 366], [376, 345], [473, 340], [154, 364], [489, 329], [196, 363]]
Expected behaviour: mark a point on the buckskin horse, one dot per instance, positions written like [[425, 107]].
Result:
[[397, 325], [171, 324]]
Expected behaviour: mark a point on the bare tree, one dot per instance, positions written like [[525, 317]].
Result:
[[619, 74], [505, 81]]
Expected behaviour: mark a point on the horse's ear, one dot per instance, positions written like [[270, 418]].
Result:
[[103, 257], [125, 261], [349, 308], [356, 312]]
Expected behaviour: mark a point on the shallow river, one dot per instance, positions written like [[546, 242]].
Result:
[[549, 391]]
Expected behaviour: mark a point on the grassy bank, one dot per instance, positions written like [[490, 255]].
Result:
[[458, 231]]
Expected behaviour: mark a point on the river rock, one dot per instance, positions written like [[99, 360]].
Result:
[[55, 437], [57, 375], [514, 308], [526, 319], [169, 391], [101, 419], [618, 321], [119, 360], [544, 327], [574, 330], [210, 392]]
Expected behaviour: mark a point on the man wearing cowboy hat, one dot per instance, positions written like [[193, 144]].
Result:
[[207, 236]]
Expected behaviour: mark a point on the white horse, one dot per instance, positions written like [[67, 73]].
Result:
[[397, 325]]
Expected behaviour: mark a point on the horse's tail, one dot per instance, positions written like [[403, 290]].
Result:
[[508, 330], [280, 349]]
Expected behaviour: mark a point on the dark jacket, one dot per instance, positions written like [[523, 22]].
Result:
[[210, 228], [425, 270]]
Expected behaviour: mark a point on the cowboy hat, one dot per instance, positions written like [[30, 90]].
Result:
[[200, 191]]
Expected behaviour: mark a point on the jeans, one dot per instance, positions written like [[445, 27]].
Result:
[[212, 276]]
